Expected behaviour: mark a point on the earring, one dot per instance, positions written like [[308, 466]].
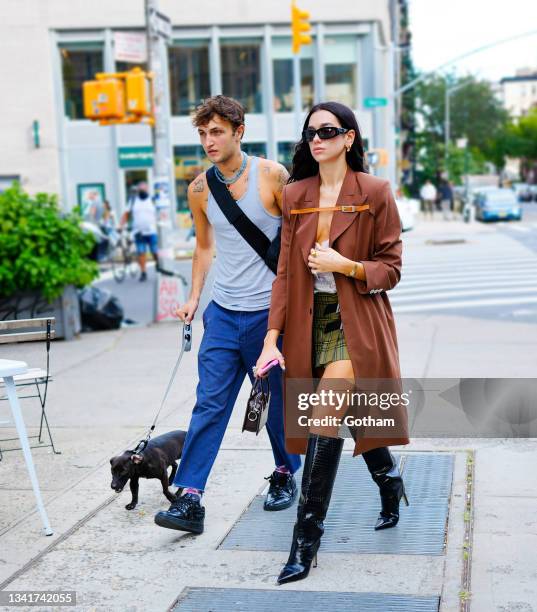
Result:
[[348, 148]]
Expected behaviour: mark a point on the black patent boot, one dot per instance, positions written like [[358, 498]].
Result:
[[392, 489], [320, 469]]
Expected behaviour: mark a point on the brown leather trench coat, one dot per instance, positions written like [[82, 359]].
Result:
[[372, 236]]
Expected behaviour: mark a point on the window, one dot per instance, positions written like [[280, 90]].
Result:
[[341, 68], [283, 84], [189, 76], [78, 65], [189, 162], [127, 66], [258, 149], [341, 83], [286, 150], [241, 73], [282, 64]]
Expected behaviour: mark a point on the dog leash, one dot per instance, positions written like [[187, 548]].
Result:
[[186, 345]]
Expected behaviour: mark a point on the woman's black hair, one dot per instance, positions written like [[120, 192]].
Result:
[[303, 163]]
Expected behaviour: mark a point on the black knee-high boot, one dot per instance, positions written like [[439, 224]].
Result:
[[320, 469], [385, 472]]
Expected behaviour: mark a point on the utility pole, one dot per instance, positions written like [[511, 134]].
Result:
[[159, 32], [163, 188]]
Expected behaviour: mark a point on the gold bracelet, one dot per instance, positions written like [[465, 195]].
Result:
[[354, 270]]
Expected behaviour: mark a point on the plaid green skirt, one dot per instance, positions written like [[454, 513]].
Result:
[[328, 338]]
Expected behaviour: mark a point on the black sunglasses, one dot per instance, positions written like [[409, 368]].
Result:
[[324, 133]]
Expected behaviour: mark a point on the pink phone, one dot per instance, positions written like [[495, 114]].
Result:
[[264, 369]]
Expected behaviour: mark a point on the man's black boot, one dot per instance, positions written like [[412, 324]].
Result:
[[282, 491], [185, 514]]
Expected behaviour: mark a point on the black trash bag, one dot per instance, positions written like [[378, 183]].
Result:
[[99, 309]]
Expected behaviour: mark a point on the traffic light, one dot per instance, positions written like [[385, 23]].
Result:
[[104, 98], [122, 97], [138, 92], [300, 25]]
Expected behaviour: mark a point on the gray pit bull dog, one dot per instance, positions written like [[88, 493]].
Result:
[[153, 462]]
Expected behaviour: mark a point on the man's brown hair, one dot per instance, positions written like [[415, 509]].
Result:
[[226, 108]]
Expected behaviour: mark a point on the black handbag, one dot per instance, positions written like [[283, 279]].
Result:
[[268, 250], [257, 406]]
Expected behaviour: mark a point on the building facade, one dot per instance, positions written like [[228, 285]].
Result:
[[241, 48], [519, 92]]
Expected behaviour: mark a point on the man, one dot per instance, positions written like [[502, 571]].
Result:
[[144, 225], [235, 321], [428, 195]]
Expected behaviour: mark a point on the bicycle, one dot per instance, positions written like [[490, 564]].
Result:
[[121, 254]]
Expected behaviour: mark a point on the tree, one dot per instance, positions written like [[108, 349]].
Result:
[[523, 141], [475, 113]]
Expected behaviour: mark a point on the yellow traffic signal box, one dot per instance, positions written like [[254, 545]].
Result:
[[299, 25], [138, 92], [104, 99]]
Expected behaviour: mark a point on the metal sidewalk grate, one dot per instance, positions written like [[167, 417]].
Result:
[[245, 600], [353, 511]]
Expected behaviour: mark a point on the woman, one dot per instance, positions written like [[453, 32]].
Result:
[[330, 297]]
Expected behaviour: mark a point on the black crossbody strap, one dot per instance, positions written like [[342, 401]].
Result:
[[233, 213]]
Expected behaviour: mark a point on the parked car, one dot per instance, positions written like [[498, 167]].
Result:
[[408, 209], [523, 191], [497, 203]]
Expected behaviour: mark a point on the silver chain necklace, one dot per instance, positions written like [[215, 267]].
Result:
[[236, 176]]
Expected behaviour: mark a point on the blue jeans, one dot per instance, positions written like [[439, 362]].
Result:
[[231, 345]]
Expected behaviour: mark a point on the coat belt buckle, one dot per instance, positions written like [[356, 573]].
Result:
[[349, 209]]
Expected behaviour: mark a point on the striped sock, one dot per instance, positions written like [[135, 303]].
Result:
[[192, 491], [282, 469]]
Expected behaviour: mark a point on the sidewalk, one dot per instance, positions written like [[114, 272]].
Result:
[[107, 387]]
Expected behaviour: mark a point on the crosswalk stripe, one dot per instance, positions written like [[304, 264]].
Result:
[[463, 303], [497, 275], [425, 295], [423, 288], [524, 258]]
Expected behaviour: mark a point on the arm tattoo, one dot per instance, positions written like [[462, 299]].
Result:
[[283, 176], [198, 186]]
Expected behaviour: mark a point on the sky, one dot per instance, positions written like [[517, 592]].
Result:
[[443, 30]]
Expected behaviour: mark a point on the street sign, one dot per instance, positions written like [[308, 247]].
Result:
[[160, 25], [135, 157], [375, 102], [130, 47]]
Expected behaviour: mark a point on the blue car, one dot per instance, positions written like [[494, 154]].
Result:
[[495, 204]]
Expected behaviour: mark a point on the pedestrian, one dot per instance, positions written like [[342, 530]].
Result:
[[235, 321], [335, 313], [446, 200], [143, 220], [428, 197]]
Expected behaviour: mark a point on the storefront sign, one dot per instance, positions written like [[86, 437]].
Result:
[[135, 157]]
